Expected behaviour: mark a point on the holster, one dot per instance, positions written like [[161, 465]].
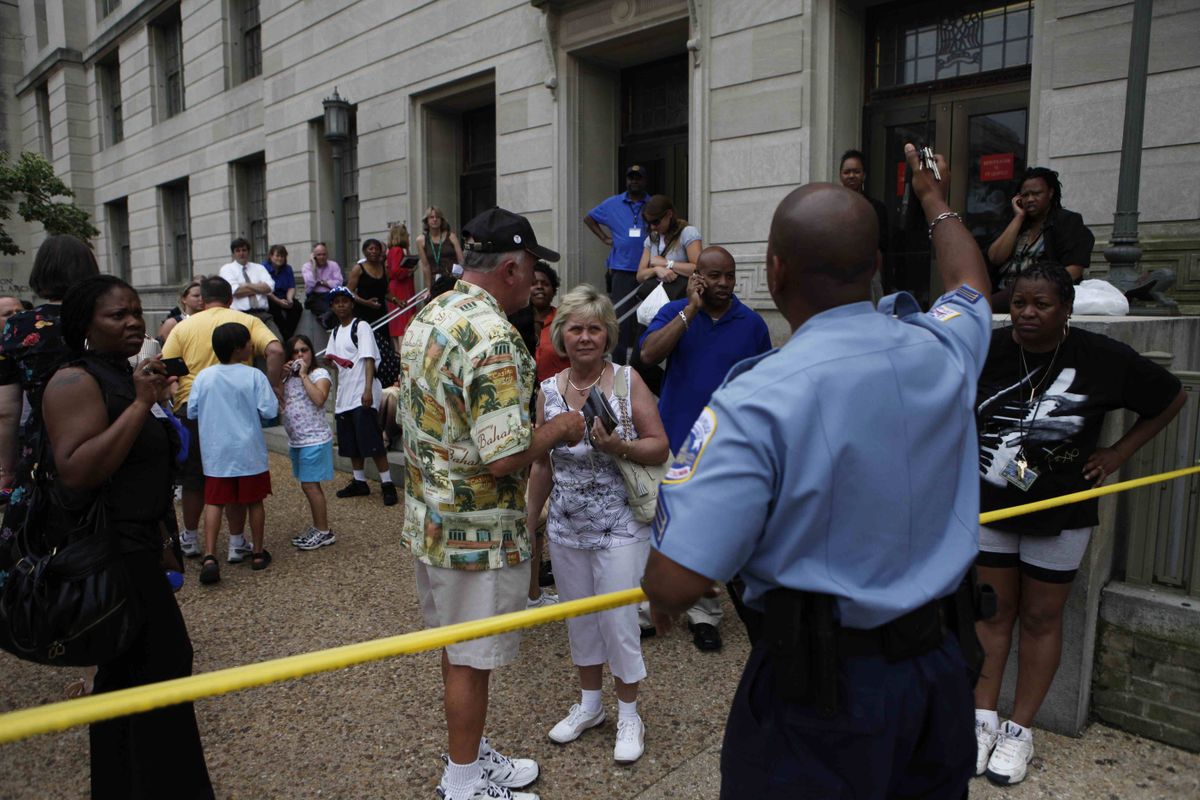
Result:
[[801, 633], [972, 602]]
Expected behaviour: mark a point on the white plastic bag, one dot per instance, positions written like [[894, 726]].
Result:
[[650, 306], [1100, 298]]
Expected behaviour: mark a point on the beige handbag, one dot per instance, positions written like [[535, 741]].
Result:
[[641, 480]]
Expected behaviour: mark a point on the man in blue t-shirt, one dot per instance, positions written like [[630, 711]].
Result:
[[618, 223], [703, 335]]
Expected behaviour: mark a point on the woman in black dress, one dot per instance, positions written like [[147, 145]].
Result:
[[368, 282], [439, 250], [109, 446]]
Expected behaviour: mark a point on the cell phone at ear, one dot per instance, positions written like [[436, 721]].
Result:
[[176, 367]]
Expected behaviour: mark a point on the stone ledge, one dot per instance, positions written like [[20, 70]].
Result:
[[1161, 614]]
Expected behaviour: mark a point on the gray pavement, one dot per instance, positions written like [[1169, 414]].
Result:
[[376, 730]]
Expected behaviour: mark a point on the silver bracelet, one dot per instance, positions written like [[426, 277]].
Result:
[[683, 317], [939, 218]]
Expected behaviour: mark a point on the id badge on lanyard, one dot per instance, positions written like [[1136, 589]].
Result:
[[1019, 473]]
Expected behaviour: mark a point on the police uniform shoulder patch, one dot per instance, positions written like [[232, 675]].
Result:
[[688, 457], [967, 293], [944, 313]]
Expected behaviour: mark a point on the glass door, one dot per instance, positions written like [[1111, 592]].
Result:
[[983, 135]]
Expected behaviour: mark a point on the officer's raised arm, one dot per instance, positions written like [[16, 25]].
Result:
[[959, 259]]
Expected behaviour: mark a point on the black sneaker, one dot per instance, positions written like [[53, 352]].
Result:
[[355, 488], [389, 494]]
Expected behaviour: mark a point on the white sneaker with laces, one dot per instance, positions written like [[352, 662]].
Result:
[[510, 773], [1010, 760], [317, 540], [574, 723], [985, 742], [189, 544], [631, 740], [304, 535], [488, 790], [544, 599]]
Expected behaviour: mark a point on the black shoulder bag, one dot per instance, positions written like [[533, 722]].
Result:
[[67, 601]]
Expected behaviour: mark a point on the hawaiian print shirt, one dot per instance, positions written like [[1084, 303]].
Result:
[[465, 377]]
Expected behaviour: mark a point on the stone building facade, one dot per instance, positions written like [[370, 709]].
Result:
[[183, 123]]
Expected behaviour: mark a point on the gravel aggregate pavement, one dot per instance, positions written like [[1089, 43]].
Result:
[[377, 730]]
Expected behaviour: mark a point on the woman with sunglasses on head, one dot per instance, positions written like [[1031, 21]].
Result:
[[1042, 398], [671, 248], [190, 303]]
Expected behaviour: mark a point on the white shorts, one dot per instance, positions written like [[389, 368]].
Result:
[[449, 596], [1053, 559], [610, 637]]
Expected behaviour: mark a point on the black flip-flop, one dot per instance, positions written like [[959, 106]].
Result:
[[260, 560]]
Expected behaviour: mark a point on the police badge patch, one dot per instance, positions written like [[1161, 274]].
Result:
[[688, 456]]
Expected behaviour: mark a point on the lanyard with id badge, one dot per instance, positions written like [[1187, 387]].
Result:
[[1018, 472]]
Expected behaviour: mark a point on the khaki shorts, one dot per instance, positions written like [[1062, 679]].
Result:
[[449, 596]]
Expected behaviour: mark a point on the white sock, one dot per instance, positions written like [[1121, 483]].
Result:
[[320, 531], [188, 536], [460, 779], [591, 700], [385, 477], [626, 710], [237, 540], [1018, 731], [990, 719], [359, 475]]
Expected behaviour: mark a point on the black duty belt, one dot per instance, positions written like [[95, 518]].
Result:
[[915, 633]]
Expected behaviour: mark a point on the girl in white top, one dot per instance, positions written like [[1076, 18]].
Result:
[[310, 440], [671, 248]]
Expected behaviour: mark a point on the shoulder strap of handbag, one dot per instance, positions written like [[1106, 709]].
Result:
[[621, 392]]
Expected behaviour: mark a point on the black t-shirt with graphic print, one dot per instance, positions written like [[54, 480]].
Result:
[[1060, 426]]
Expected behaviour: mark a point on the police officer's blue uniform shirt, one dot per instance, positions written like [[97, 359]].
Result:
[[844, 462], [622, 215]]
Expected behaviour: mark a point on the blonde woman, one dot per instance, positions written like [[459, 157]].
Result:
[[400, 282], [439, 250], [190, 303], [595, 543]]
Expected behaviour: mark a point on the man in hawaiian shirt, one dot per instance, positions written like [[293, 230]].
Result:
[[468, 442]]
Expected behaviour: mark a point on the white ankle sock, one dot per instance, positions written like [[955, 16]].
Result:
[[990, 719], [1018, 731], [360, 475], [591, 700], [460, 779], [187, 535], [626, 710], [385, 477]]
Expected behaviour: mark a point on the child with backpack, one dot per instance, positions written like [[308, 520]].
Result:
[[310, 441], [356, 411]]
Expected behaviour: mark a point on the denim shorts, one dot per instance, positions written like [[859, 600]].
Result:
[[313, 463]]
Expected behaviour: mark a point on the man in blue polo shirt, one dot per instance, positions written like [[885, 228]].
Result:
[[618, 223], [703, 336]]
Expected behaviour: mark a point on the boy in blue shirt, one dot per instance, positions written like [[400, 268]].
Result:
[[229, 399]]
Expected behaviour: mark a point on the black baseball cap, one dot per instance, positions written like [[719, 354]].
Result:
[[498, 230], [636, 169]]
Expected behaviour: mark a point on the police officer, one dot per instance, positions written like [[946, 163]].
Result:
[[837, 475]]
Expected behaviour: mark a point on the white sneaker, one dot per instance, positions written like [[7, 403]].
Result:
[[488, 790], [985, 742], [304, 535], [239, 552], [510, 773], [576, 722], [544, 599], [1011, 757], [189, 544], [631, 740], [317, 540]]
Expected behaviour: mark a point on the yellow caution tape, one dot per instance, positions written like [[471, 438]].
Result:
[[59, 716]]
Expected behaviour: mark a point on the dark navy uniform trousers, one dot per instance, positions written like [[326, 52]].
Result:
[[903, 730]]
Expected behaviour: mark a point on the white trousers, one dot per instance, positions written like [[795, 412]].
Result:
[[608, 637]]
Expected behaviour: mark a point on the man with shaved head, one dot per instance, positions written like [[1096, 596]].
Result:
[[702, 336], [836, 475]]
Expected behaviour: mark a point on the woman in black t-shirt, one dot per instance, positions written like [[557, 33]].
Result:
[[1042, 398]]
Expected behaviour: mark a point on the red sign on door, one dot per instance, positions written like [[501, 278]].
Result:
[[900, 178], [996, 167]]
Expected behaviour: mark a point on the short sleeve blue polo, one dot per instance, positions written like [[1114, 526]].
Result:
[[702, 358], [622, 215], [845, 462]]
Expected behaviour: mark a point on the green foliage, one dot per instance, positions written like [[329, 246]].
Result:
[[32, 184]]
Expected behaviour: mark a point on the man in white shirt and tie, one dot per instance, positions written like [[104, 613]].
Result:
[[251, 283]]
